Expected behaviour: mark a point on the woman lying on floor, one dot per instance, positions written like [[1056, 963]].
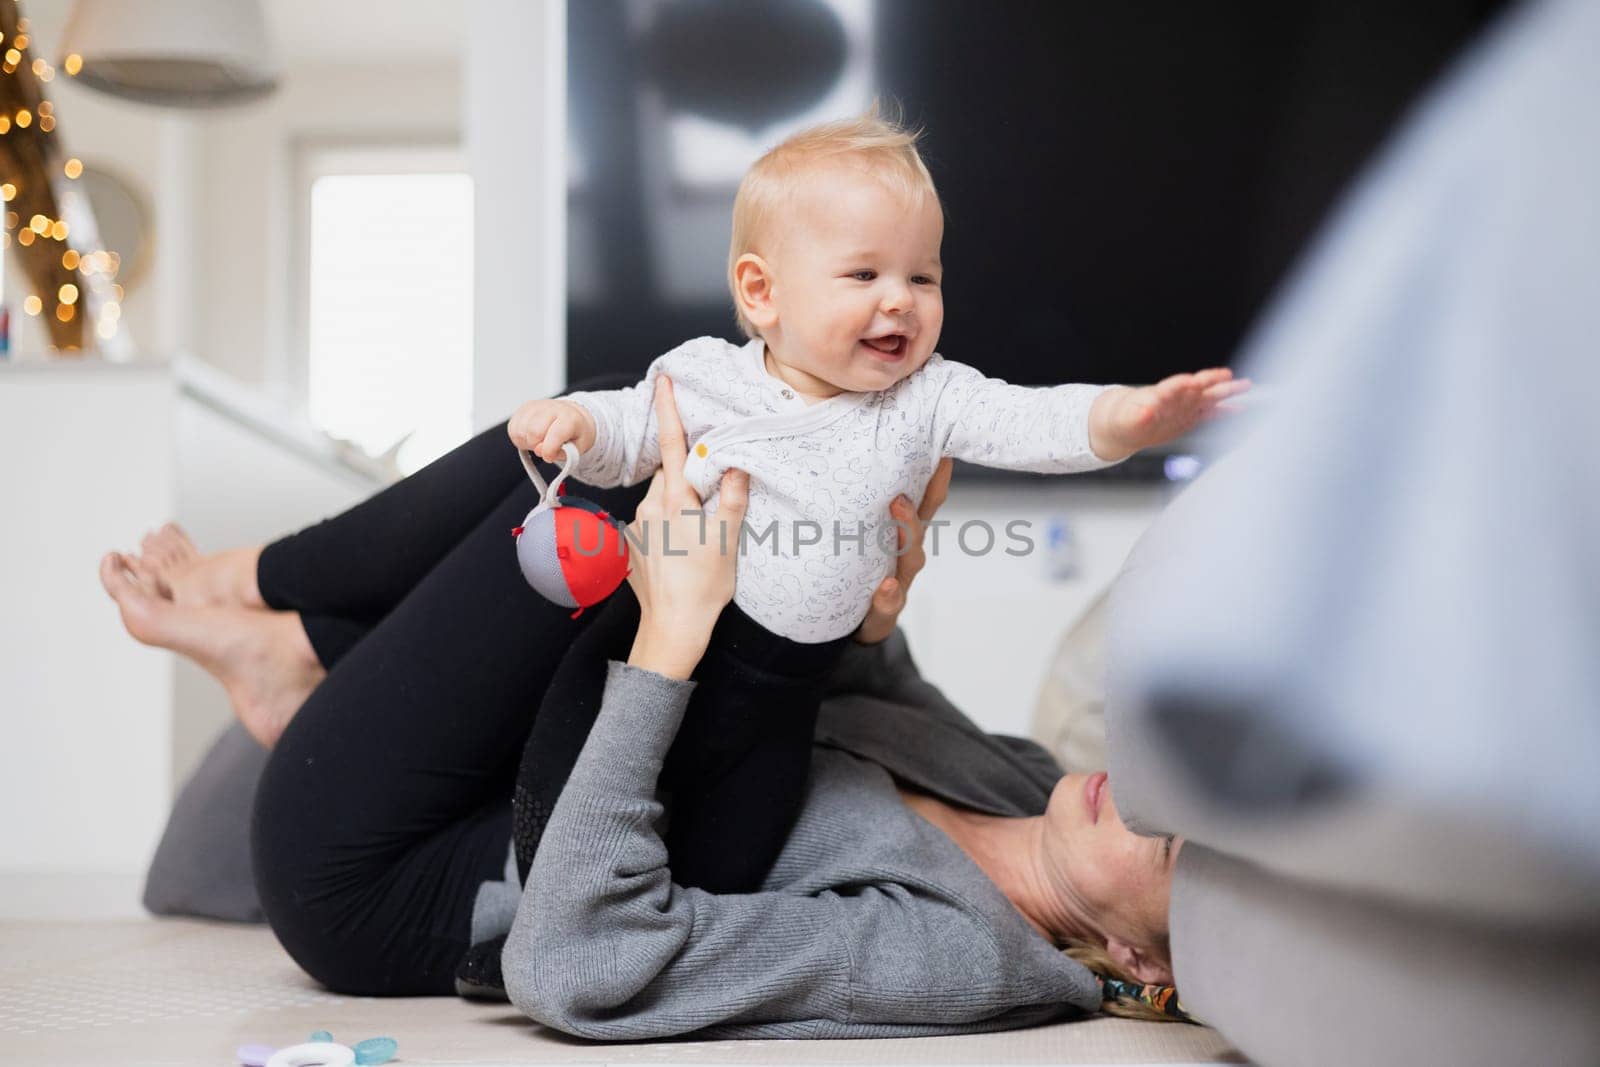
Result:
[[390, 657]]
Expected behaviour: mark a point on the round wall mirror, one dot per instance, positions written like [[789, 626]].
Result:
[[122, 215]]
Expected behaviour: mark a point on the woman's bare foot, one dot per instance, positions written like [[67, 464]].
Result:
[[262, 658], [190, 578]]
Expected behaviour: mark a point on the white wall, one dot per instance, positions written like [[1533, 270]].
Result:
[[514, 72], [983, 626]]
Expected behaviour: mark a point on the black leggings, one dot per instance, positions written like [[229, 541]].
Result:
[[736, 772], [386, 802]]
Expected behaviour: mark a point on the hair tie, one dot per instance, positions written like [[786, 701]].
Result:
[[1162, 998]]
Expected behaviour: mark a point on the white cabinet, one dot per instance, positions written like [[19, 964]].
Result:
[[86, 464]]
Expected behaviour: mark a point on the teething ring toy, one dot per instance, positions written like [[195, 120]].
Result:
[[326, 1053]]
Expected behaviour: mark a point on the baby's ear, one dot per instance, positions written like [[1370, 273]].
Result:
[[752, 288]]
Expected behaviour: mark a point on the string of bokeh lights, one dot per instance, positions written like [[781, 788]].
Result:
[[99, 262]]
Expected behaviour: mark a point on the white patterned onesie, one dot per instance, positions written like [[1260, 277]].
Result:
[[822, 475]]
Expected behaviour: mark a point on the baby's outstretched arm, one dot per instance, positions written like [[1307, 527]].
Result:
[[1125, 419], [1064, 429]]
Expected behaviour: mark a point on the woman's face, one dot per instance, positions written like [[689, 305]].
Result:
[[1116, 883]]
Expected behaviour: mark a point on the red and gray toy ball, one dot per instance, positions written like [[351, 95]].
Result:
[[570, 550]]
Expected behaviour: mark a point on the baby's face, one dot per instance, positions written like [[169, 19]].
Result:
[[855, 284]]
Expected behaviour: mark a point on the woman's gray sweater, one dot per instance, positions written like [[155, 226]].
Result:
[[872, 922]]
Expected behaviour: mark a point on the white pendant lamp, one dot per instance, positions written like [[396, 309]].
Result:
[[175, 53]]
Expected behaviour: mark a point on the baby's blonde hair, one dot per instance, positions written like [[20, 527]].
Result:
[[873, 142]]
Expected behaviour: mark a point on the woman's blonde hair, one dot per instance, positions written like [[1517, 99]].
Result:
[[873, 141], [1098, 960]]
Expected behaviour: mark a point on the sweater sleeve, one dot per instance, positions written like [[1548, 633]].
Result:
[[1012, 427], [606, 946], [625, 450]]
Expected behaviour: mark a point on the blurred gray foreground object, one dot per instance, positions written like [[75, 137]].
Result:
[[1357, 664]]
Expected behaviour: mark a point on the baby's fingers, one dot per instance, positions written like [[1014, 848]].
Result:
[[1175, 385], [1189, 386], [529, 423], [562, 429], [1225, 389]]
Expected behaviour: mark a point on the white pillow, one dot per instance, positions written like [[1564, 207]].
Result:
[[1069, 715]]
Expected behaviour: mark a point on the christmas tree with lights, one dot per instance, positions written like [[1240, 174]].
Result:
[[49, 224]]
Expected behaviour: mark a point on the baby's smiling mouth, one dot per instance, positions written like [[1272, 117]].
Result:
[[893, 344]]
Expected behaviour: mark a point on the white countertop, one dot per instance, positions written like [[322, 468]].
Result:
[[80, 365]]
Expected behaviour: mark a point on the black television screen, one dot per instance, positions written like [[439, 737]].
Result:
[[1124, 184]]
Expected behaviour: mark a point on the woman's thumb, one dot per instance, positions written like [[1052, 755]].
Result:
[[735, 495]]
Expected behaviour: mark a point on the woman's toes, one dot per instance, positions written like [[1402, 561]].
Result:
[[114, 568], [164, 554], [110, 567], [147, 576], [178, 545], [140, 609]]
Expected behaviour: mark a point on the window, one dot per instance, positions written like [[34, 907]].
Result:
[[388, 299]]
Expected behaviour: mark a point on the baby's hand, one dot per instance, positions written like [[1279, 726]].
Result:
[[543, 426], [1124, 420]]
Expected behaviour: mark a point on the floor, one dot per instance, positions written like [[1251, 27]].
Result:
[[175, 992]]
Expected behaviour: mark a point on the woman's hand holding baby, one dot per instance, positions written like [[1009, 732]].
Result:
[[911, 523], [685, 577], [543, 426], [1125, 419]]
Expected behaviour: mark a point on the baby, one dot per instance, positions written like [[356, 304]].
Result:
[[838, 402], [835, 405]]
